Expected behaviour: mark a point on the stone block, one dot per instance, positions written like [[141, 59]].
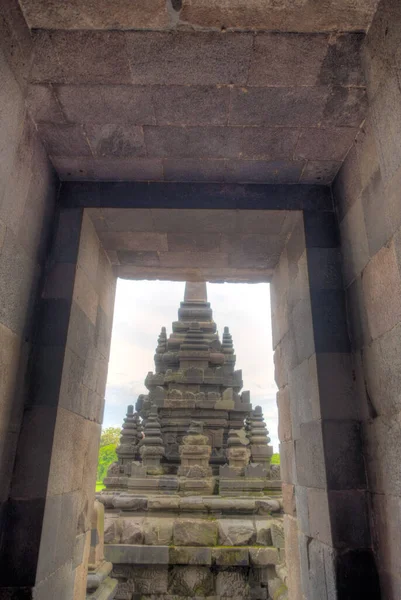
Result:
[[193, 142], [236, 532], [194, 532], [354, 243], [269, 144], [233, 584], [342, 64], [276, 59], [349, 519], [329, 321], [381, 362], [263, 532], [376, 212], [387, 129], [287, 462], [150, 579], [264, 556], [348, 183], [342, 440], [357, 317], [81, 57], [302, 506], [191, 581], [319, 516], [284, 106], [382, 291], [188, 58], [324, 266], [105, 169], [292, 558], [163, 503], [42, 104], [136, 555], [325, 144], [96, 15], [346, 107], [282, 18], [132, 531], [194, 169], [115, 140], [64, 140], [186, 555], [230, 557], [383, 433], [112, 530], [190, 221], [191, 105], [332, 386], [106, 104], [289, 505], [303, 330], [258, 171], [320, 171], [158, 531], [321, 231], [19, 276], [301, 393], [309, 456], [137, 241]]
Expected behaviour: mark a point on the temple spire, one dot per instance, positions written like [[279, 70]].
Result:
[[195, 291]]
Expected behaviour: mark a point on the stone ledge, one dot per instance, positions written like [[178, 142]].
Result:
[[137, 555], [223, 556], [208, 504]]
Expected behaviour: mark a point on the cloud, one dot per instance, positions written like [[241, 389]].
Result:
[[143, 307]]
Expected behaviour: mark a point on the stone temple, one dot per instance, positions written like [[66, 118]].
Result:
[[193, 505], [203, 140]]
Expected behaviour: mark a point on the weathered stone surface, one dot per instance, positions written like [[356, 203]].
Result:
[[233, 532], [96, 14], [191, 581], [158, 531], [277, 533], [203, 58], [136, 555], [230, 557], [264, 556], [194, 532], [233, 584], [263, 532], [190, 556], [132, 531]]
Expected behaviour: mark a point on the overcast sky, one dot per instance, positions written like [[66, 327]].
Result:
[[143, 307]]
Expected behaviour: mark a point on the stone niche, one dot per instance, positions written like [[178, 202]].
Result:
[[193, 506]]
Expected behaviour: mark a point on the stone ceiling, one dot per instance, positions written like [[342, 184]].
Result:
[[198, 90], [193, 244]]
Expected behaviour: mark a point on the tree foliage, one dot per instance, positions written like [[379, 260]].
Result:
[[275, 459], [107, 455], [109, 441], [110, 435]]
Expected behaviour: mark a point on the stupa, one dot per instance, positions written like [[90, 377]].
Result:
[[195, 492]]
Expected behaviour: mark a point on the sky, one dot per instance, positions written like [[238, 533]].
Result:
[[143, 307]]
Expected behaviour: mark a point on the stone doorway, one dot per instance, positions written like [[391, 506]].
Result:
[[298, 251]]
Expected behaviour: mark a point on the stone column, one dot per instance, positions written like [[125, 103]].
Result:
[[48, 526], [324, 484]]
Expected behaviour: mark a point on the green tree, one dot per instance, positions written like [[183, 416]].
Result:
[[107, 455], [110, 435], [275, 459]]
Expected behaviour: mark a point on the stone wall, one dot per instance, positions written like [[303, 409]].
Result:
[[367, 194], [28, 187], [326, 525], [47, 537]]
